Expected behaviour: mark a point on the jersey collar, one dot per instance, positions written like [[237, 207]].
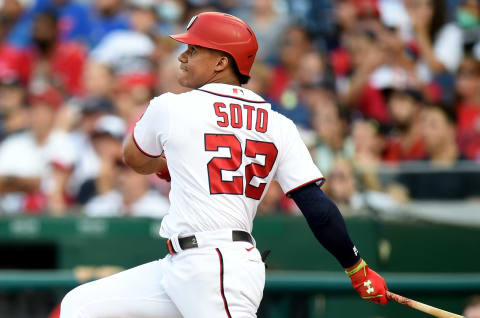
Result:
[[232, 91]]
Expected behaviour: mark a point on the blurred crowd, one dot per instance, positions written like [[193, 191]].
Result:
[[386, 94]]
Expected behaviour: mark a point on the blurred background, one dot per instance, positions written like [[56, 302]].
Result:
[[386, 94]]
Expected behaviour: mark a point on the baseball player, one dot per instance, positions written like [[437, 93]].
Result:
[[224, 146]]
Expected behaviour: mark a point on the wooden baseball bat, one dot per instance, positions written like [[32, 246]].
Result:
[[437, 312]]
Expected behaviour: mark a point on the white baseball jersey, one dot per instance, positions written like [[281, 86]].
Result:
[[224, 145]]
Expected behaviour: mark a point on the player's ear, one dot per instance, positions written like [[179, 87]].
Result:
[[223, 63]]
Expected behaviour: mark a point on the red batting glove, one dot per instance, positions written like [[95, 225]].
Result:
[[368, 283], [164, 174]]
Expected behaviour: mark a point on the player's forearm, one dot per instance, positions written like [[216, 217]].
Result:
[[153, 165], [142, 164], [326, 223]]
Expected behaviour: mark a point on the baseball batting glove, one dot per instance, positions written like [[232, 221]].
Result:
[[164, 174], [368, 283]]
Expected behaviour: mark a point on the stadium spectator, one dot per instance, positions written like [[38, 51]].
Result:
[[17, 17], [468, 107], [29, 160], [260, 75], [344, 188], [437, 44], [130, 51], [283, 90], [120, 191], [406, 140], [271, 202], [472, 308], [74, 18], [53, 61], [13, 112], [107, 16], [369, 144], [467, 16], [269, 19], [87, 163], [363, 56], [131, 196], [331, 127], [314, 79], [275, 202], [11, 11], [98, 80], [14, 61], [106, 140], [443, 162]]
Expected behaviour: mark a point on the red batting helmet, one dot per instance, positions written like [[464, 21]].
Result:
[[223, 32]]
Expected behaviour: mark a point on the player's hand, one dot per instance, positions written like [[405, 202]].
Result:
[[368, 283], [164, 174]]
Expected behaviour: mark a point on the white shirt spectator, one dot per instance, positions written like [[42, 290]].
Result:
[[126, 51], [448, 48], [447, 45], [21, 156]]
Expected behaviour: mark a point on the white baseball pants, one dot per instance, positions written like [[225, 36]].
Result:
[[220, 278]]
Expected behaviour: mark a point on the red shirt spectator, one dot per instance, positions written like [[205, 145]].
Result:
[[52, 61], [468, 107], [15, 62], [406, 143], [396, 151]]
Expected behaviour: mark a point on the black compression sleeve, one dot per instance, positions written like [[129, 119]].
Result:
[[326, 223]]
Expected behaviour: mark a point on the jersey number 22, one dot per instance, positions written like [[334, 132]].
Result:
[[217, 164]]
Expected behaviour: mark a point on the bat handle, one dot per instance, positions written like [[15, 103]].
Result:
[[437, 312], [397, 298]]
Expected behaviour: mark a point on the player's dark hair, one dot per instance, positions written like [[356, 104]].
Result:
[[243, 79]]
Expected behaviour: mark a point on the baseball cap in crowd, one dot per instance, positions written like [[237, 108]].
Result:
[[95, 105], [46, 96], [129, 81], [110, 125]]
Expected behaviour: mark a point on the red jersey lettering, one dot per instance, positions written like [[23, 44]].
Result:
[[236, 115], [219, 113], [262, 120], [249, 115]]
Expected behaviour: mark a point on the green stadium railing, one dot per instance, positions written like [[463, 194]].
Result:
[[275, 281]]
